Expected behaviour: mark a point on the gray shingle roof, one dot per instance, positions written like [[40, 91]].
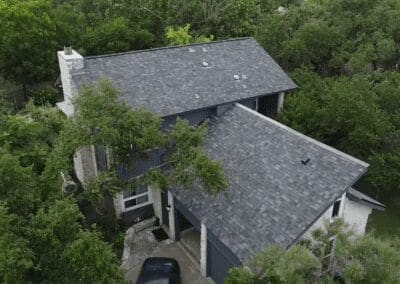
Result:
[[273, 198], [173, 80], [364, 199]]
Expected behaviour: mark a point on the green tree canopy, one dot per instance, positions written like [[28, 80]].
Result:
[[66, 253], [105, 120], [15, 254], [27, 36], [358, 259]]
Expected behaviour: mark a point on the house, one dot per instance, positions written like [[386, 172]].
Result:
[[283, 184]]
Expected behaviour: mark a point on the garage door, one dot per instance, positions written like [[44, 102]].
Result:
[[218, 264]]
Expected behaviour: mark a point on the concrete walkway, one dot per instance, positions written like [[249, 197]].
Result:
[[144, 245]]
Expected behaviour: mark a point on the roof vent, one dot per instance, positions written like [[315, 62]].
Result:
[[205, 64], [196, 96], [191, 49], [236, 77], [305, 162]]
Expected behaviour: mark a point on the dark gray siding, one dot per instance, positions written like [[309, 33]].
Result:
[[219, 258], [188, 215], [194, 117], [217, 264], [251, 103], [268, 105], [137, 215]]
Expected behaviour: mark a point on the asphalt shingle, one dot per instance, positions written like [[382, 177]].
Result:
[[273, 197], [174, 80]]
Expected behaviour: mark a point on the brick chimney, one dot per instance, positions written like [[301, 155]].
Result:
[[69, 60]]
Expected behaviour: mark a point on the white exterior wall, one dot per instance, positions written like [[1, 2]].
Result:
[[118, 199], [157, 206], [326, 218], [281, 98], [85, 164], [68, 63], [171, 216], [356, 215], [203, 250]]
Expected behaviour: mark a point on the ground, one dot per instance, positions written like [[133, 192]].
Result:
[[149, 247], [385, 224]]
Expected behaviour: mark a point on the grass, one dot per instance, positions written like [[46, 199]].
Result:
[[385, 224]]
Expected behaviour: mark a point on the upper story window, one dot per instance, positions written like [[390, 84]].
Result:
[[136, 198], [101, 158], [336, 208]]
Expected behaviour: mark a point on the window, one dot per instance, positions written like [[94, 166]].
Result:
[[336, 207], [101, 157], [135, 198]]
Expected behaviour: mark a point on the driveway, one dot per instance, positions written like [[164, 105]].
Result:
[[190, 272]]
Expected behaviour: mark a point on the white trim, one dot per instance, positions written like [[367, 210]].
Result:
[[203, 250], [136, 206], [281, 99], [126, 199], [171, 216], [309, 139], [136, 196]]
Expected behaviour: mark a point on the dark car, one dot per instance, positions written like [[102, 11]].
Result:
[[159, 270]]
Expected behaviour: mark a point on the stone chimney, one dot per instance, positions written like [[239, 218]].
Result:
[[69, 60]]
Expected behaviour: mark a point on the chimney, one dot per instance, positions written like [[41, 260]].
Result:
[[67, 50], [69, 60]]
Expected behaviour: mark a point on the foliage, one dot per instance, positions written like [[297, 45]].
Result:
[[277, 265], [116, 35], [190, 162], [18, 185], [105, 120], [90, 246], [27, 37], [45, 95], [373, 260], [240, 275], [294, 265], [357, 115], [15, 255], [181, 36], [30, 136], [334, 37], [62, 248], [357, 259]]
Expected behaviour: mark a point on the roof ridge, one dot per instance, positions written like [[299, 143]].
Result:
[[166, 47], [312, 140]]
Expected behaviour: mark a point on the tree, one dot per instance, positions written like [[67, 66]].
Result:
[[64, 252], [116, 35], [332, 252], [18, 185], [358, 115], [27, 36], [103, 119], [27, 140], [181, 36], [15, 255], [90, 246], [371, 260], [277, 265]]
